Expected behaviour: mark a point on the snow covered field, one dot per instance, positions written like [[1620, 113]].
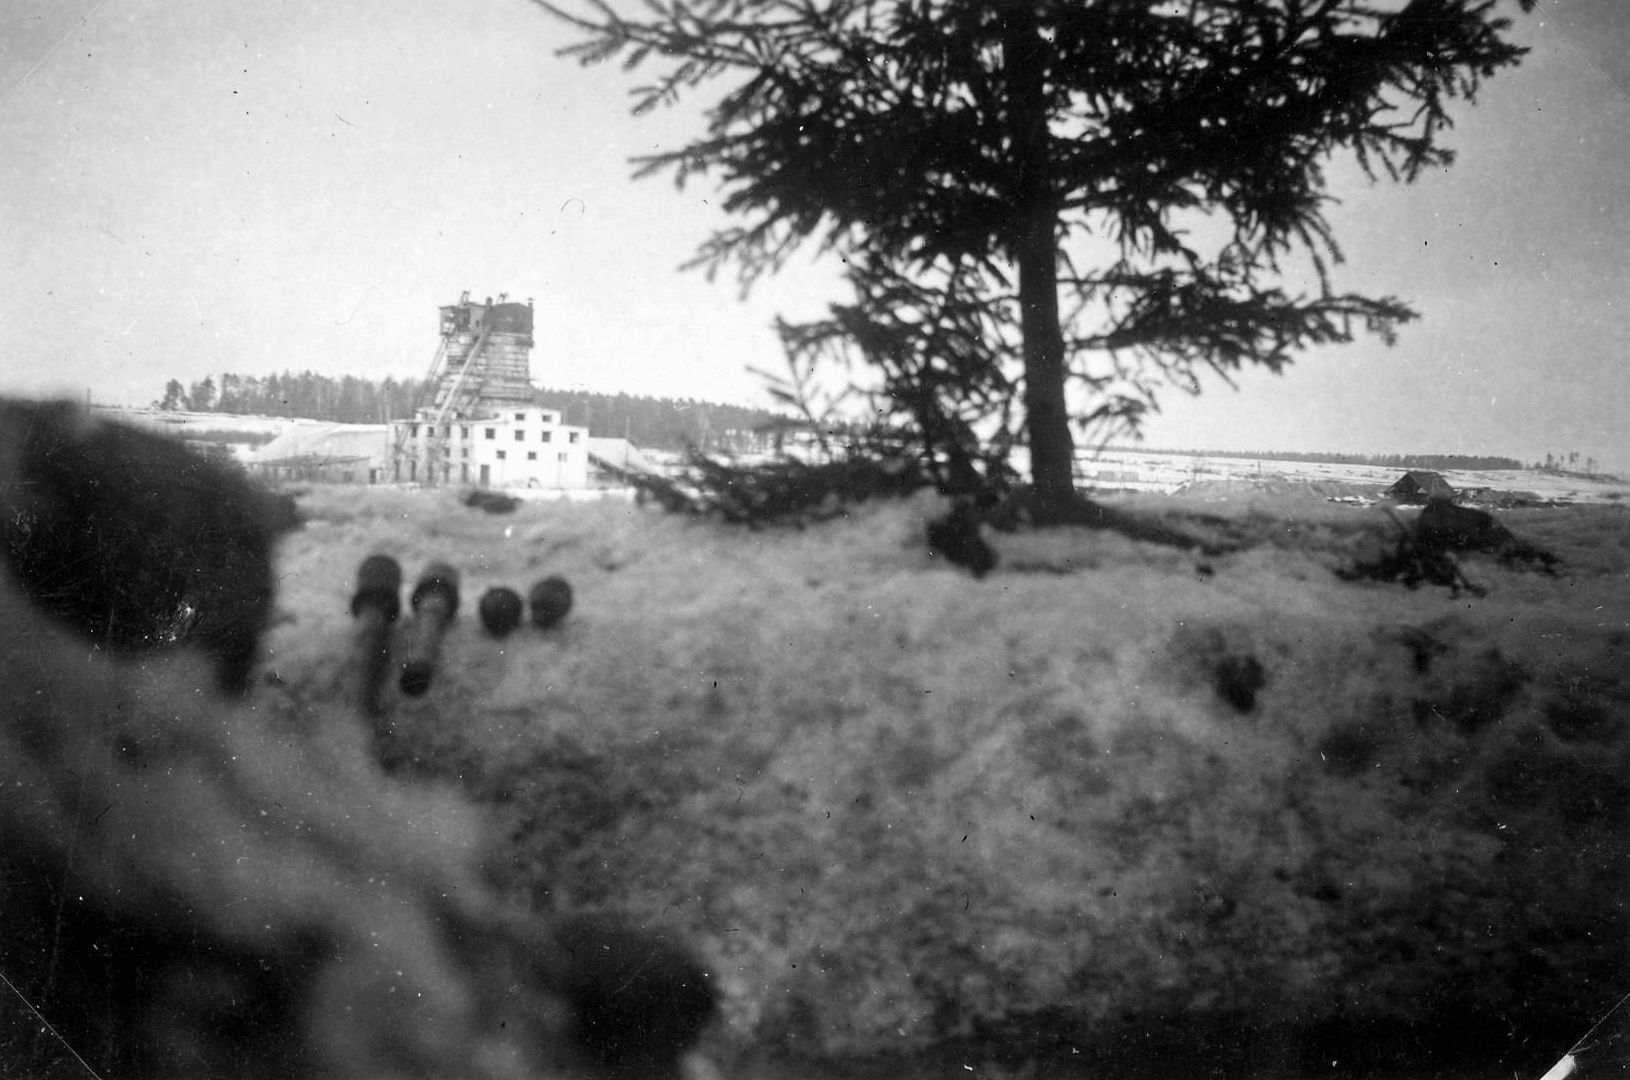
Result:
[[1124, 470], [1115, 804]]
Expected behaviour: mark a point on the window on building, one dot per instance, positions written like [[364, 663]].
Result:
[[464, 431], [575, 435], [548, 436], [531, 455], [413, 430], [520, 416], [492, 433], [564, 457], [520, 436], [501, 455], [447, 431]]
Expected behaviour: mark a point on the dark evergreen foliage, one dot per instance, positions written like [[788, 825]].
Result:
[[308, 395], [1107, 191], [1426, 553], [1447, 527], [782, 492]]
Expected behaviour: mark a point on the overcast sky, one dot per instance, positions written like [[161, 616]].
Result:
[[195, 186]]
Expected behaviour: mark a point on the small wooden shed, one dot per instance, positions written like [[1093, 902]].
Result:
[[1420, 486]]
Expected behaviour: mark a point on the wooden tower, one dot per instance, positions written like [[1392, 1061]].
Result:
[[482, 367]]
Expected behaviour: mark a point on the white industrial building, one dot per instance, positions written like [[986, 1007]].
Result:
[[512, 447]]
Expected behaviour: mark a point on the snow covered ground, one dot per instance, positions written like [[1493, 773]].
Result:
[[1114, 802], [1125, 470], [184, 423]]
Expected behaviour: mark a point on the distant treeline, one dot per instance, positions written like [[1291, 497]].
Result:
[[1434, 462], [307, 395], [653, 423], [657, 423]]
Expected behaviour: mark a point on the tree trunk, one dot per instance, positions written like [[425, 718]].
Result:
[[1033, 246]]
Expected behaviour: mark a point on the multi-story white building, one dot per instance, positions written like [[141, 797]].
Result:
[[508, 447], [478, 424]]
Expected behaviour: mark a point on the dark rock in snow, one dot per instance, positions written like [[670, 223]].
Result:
[[491, 502], [1238, 679]]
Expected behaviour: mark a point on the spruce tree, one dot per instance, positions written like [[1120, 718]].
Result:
[[1123, 184]]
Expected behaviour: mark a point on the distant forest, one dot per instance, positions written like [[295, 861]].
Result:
[[1434, 462], [652, 423], [658, 423]]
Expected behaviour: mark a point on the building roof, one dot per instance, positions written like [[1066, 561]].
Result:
[[621, 455], [1425, 482], [326, 444]]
